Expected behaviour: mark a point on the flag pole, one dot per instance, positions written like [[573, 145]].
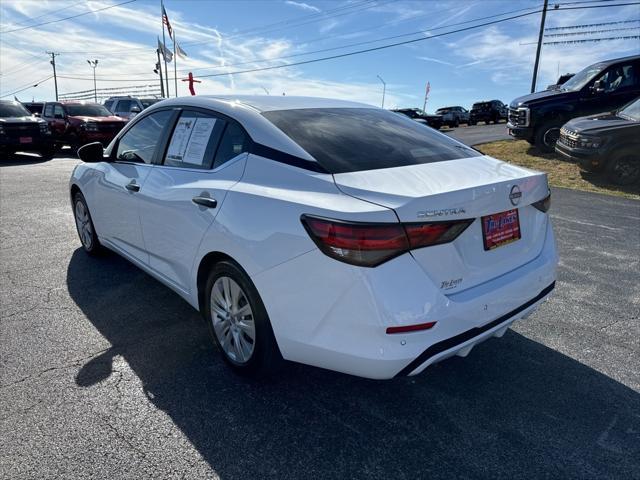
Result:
[[164, 44], [175, 63]]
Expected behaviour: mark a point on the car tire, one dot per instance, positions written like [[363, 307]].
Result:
[[623, 169], [547, 135], [84, 226], [246, 342]]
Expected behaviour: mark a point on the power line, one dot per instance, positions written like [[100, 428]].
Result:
[[21, 89], [57, 10], [589, 32], [393, 37], [68, 18], [342, 55], [243, 32], [585, 40], [589, 25], [607, 5]]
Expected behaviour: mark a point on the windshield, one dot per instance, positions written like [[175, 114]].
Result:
[[631, 111], [583, 77], [87, 111], [442, 111], [354, 139], [13, 110], [147, 103]]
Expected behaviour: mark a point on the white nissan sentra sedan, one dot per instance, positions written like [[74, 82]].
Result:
[[325, 232]]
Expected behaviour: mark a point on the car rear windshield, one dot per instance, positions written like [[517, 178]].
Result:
[[13, 110], [87, 111], [355, 139], [481, 106]]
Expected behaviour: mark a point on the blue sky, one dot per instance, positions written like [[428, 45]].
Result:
[[490, 62]]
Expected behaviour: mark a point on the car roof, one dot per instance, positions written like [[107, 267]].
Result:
[[266, 103], [617, 60]]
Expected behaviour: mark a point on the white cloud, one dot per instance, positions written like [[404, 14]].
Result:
[[302, 5]]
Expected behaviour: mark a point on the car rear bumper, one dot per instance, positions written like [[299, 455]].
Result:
[[335, 316]]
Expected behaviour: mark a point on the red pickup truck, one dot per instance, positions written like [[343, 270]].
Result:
[[76, 123]]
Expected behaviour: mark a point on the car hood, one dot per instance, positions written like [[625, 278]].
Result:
[[111, 118], [26, 119], [601, 123], [541, 97]]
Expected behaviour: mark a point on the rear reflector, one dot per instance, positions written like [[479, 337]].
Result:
[[411, 328], [370, 244]]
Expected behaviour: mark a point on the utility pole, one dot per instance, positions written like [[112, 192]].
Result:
[[53, 63], [384, 88], [535, 67], [94, 64], [158, 70]]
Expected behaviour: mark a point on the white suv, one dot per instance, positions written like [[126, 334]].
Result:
[[125, 107]]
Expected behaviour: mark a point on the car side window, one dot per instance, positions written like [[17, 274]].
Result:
[[194, 140], [123, 106], [58, 111], [48, 110], [139, 143], [233, 143], [618, 77], [108, 104]]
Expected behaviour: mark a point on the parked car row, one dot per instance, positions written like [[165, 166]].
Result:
[[44, 127], [592, 118], [485, 111]]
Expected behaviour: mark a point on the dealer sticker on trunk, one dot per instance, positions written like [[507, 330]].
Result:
[[500, 229]]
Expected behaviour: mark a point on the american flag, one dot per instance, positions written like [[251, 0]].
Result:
[[165, 21]]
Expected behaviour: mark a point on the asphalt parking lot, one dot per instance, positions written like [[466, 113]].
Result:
[[477, 134], [105, 373]]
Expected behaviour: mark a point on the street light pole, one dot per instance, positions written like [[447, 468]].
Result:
[[384, 88], [94, 64]]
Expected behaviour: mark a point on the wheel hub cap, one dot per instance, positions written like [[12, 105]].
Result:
[[232, 319], [83, 224]]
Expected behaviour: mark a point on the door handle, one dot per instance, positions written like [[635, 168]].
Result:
[[132, 186], [205, 202]]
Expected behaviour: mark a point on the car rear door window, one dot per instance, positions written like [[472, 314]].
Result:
[[354, 139], [234, 142], [58, 111], [194, 140], [48, 110], [139, 143], [123, 106]]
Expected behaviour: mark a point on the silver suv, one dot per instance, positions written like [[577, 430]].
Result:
[[125, 107]]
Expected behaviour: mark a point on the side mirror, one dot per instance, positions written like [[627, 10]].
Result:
[[598, 87], [91, 153], [135, 109]]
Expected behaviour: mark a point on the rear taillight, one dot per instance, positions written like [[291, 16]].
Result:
[[544, 204], [370, 244]]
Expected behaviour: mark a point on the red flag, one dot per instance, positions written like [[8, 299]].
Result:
[[165, 21]]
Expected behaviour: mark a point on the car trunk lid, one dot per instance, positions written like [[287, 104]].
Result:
[[467, 188]]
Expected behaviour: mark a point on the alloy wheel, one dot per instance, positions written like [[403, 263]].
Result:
[[232, 319], [83, 224], [551, 137]]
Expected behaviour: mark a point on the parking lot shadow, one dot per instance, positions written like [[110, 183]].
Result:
[[513, 409]]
